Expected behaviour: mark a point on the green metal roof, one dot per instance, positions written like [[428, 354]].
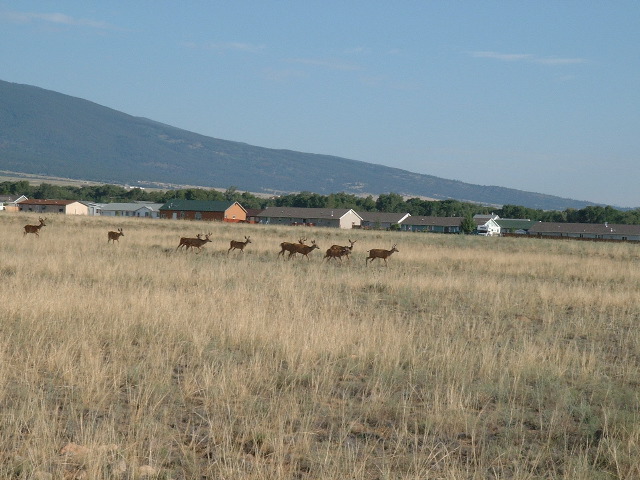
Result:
[[197, 205], [515, 223]]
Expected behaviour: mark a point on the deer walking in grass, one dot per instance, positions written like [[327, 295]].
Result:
[[115, 236], [34, 228], [338, 251], [380, 253], [290, 247], [239, 245], [197, 242], [303, 249]]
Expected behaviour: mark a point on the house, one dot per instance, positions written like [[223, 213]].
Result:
[[487, 225], [432, 224], [587, 231], [252, 215], [317, 217], [134, 209], [514, 226], [66, 207], [223, 211], [94, 209], [382, 220], [10, 202]]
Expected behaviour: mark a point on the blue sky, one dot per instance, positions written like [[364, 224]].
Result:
[[536, 95]]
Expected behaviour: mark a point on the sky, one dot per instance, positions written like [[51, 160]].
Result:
[[542, 96]]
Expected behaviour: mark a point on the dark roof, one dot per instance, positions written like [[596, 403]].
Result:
[[382, 217], [299, 212], [588, 228], [253, 212], [198, 205], [9, 198], [482, 220], [435, 221]]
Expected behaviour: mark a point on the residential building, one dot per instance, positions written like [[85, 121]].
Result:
[[515, 226], [587, 231], [432, 224], [223, 211], [9, 203], [316, 217], [134, 209], [487, 225], [382, 220], [65, 207]]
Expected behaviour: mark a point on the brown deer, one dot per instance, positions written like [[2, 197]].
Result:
[[338, 251], [380, 253], [239, 245], [114, 236], [290, 247], [197, 242], [34, 228], [303, 249], [184, 241]]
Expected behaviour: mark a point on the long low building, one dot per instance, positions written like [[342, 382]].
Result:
[[134, 209], [590, 231], [432, 224], [317, 217], [223, 211], [65, 207]]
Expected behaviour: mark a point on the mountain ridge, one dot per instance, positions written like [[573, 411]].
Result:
[[50, 133]]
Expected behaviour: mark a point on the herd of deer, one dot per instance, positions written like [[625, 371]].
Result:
[[333, 252]]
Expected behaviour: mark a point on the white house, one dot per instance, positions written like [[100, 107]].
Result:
[[487, 224], [316, 217]]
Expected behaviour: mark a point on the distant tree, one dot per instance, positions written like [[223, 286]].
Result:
[[468, 225], [231, 194], [368, 204], [514, 211], [390, 202]]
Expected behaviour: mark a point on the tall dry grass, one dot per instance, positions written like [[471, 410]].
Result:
[[467, 357]]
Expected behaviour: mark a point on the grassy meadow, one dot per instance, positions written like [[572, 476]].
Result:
[[466, 358]]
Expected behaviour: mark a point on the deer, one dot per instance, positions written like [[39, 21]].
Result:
[[184, 241], [303, 249], [290, 247], [338, 251], [34, 228], [197, 242], [114, 236], [239, 245], [380, 253]]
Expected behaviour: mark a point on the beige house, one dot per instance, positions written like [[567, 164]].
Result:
[[65, 207], [311, 217]]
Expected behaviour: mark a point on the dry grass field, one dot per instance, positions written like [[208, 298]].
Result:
[[465, 358]]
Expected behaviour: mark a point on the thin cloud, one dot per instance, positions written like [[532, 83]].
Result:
[[55, 18], [329, 64], [526, 57], [560, 61]]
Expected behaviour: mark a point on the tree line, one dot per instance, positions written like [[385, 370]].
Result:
[[389, 202]]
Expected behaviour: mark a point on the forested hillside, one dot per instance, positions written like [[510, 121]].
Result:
[[48, 133]]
